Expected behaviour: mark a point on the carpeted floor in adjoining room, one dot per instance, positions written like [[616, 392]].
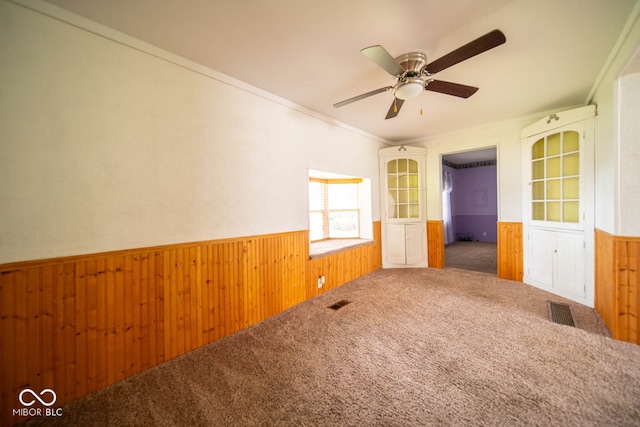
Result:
[[414, 347], [474, 256]]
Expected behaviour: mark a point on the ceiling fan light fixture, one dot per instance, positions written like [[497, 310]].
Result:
[[409, 89]]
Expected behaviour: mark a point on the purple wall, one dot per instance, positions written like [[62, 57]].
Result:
[[474, 202]]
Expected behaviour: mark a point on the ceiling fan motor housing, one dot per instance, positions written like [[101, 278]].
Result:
[[412, 61], [410, 84]]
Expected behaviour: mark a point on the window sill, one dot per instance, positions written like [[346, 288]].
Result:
[[331, 246]]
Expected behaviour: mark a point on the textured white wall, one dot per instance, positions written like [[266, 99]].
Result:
[[629, 156], [605, 161], [611, 172], [107, 146], [504, 136]]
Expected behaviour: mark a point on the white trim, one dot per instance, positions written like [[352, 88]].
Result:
[[559, 119], [402, 151]]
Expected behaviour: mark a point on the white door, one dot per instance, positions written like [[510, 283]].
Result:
[[414, 244], [396, 244], [569, 265], [541, 254]]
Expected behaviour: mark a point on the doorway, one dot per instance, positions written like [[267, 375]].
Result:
[[470, 210]]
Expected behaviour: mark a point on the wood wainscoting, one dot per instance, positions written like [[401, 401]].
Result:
[[435, 243], [510, 254], [78, 324], [341, 267], [617, 284]]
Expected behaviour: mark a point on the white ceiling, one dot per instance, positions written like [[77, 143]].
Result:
[[308, 51]]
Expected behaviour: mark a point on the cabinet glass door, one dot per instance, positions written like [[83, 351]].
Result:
[[403, 197], [555, 178]]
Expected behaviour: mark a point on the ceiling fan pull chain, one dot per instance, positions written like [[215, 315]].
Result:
[[395, 105]]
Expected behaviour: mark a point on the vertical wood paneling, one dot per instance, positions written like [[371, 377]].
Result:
[[214, 295], [617, 285], [605, 289], [435, 243], [102, 331], [47, 325], [510, 254], [91, 325], [69, 331], [119, 332], [20, 325], [237, 296], [144, 315], [251, 291], [626, 265], [80, 338], [128, 346], [34, 335], [622, 290], [58, 332], [78, 324], [633, 280], [222, 253], [339, 268], [604, 284], [134, 317], [159, 310], [8, 349]]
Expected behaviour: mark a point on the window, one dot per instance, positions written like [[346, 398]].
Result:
[[555, 171], [334, 208]]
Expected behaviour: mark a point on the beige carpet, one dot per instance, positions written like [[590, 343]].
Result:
[[474, 256], [415, 347]]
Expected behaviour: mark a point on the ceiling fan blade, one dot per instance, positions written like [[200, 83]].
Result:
[[455, 89], [394, 109], [381, 57], [359, 97], [469, 50]]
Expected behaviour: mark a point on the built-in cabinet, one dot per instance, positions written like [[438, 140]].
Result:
[[404, 244], [558, 204], [404, 236], [557, 259]]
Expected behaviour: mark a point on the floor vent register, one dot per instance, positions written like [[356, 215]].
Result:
[[562, 314], [338, 305]]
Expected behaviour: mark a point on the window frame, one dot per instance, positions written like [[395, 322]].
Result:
[[326, 211]]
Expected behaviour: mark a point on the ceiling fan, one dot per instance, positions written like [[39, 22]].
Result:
[[413, 74]]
